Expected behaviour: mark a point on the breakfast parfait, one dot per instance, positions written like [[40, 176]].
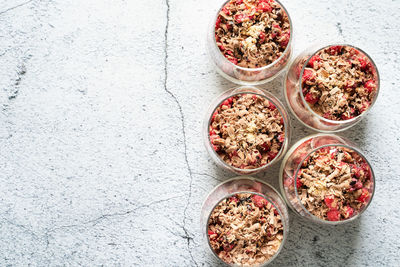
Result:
[[245, 230], [332, 88], [251, 35], [332, 182], [247, 131]]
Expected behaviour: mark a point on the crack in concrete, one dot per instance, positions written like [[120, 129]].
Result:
[[14, 7], [187, 235]]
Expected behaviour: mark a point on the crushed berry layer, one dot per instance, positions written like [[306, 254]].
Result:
[[247, 131], [252, 33], [339, 83], [334, 183], [245, 230]]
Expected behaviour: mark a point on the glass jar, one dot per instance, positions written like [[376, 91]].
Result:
[[295, 99], [243, 185], [293, 161], [241, 91], [242, 75]]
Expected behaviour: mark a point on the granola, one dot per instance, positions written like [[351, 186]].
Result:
[[334, 183], [252, 33], [339, 83], [247, 131], [245, 230]]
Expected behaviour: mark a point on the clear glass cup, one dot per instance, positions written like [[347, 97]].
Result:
[[238, 91], [292, 162], [241, 75], [237, 185], [299, 106]]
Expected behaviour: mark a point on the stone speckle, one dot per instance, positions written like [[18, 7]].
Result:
[[102, 158]]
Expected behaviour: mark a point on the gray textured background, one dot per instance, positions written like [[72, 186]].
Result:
[[102, 159]]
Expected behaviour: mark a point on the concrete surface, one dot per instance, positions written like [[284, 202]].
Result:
[[101, 154]]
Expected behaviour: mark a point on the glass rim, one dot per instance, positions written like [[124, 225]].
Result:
[[286, 124], [287, 49], [338, 121], [341, 221], [285, 229]]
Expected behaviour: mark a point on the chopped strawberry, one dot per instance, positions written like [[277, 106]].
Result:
[[239, 2], [281, 121], [370, 85], [230, 100], [264, 7], [333, 215], [233, 60], [308, 75], [212, 235], [221, 47], [259, 201], [298, 183], [349, 211], [265, 146], [261, 37], [346, 117], [311, 99], [284, 40], [312, 61], [335, 50], [363, 63], [272, 106], [218, 23], [214, 115], [226, 10], [281, 137], [239, 18], [216, 148], [272, 155], [212, 132], [234, 199], [226, 103], [254, 97], [276, 213], [330, 202], [364, 196]]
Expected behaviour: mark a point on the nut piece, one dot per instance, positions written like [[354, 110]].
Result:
[[252, 33], [335, 183], [245, 230], [247, 131], [339, 83]]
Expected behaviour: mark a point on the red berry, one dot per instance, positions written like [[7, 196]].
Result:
[[358, 185], [349, 211], [272, 155], [226, 103], [264, 7], [313, 60], [239, 2], [298, 183], [271, 106], [241, 17], [308, 75], [216, 148], [311, 99], [330, 202], [265, 146], [281, 122], [346, 117], [262, 37], [212, 235], [233, 60], [363, 63], [336, 49], [284, 40], [281, 137], [218, 23], [370, 85], [254, 97], [234, 199], [333, 215], [212, 132], [226, 11], [259, 201], [364, 196], [214, 115]]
